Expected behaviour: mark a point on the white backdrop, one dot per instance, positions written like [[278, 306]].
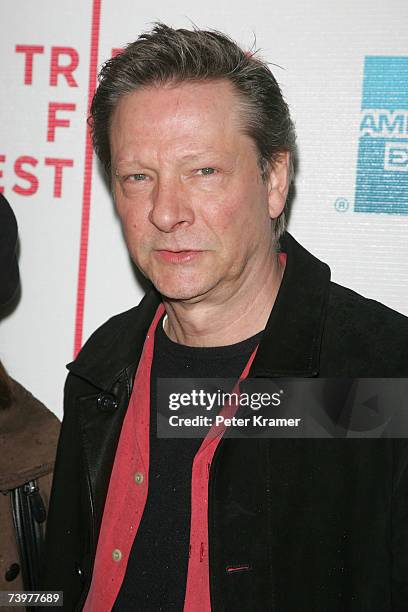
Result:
[[321, 49]]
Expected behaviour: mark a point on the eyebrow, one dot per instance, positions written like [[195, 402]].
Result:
[[127, 165]]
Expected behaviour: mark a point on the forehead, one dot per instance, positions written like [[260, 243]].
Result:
[[198, 113]]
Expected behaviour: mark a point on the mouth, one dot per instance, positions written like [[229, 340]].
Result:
[[178, 256]]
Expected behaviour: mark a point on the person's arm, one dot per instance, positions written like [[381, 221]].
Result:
[[67, 536]]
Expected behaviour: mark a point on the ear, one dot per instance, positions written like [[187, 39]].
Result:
[[278, 184]]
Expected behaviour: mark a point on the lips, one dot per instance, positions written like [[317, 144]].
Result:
[[178, 256]]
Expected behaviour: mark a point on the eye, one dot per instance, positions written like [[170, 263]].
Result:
[[206, 171], [136, 177]]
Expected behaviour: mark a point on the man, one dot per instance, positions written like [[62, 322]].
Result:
[[198, 146]]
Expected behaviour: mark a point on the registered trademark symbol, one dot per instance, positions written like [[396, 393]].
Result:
[[341, 204]]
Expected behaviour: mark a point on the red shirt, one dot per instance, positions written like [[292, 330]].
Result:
[[127, 495]]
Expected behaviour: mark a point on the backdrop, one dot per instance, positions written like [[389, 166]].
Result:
[[343, 68]]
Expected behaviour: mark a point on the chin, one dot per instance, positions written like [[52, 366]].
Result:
[[180, 291]]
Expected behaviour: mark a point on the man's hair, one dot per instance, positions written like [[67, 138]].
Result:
[[165, 55]]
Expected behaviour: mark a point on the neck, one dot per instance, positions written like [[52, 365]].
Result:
[[229, 319]]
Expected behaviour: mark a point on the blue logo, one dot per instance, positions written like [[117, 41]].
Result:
[[382, 166]]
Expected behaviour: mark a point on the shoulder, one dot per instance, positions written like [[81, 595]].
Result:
[[115, 345], [360, 313], [124, 322], [106, 333], [29, 435], [373, 337], [32, 412]]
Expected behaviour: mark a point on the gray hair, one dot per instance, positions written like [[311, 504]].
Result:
[[165, 55]]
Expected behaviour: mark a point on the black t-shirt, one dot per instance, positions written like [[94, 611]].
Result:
[[156, 573]]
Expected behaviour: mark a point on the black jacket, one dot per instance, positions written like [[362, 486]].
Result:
[[322, 524]]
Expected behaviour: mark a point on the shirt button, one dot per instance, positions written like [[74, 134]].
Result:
[[116, 554], [139, 477]]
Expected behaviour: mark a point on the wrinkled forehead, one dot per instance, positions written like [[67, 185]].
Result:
[[210, 99], [177, 116]]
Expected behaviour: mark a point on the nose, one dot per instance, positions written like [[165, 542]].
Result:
[[171, 207]]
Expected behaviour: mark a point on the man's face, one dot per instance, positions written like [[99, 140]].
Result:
[[195, 211]]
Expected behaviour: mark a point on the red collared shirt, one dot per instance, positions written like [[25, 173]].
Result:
[[127, 495]]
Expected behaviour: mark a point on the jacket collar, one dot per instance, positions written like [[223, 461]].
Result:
[[291, 341], [290, 345], [117, 345]]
